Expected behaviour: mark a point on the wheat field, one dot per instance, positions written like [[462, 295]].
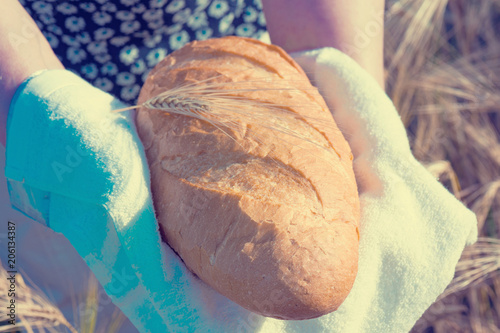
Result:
[[443, 74]]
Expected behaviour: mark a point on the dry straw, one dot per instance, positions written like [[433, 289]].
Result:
[[226, 106], [34, 311], [443, 74]]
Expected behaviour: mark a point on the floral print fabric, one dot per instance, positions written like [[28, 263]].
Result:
[[114, 44]]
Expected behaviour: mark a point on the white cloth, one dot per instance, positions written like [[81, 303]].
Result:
[[412, 230]]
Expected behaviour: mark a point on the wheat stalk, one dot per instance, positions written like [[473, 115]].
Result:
[[223, 106], [443, 75], [33, 309]]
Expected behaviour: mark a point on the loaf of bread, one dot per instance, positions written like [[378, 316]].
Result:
[[252, 180]]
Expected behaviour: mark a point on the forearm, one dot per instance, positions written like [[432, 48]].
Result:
[[355, 27], [23, 51]]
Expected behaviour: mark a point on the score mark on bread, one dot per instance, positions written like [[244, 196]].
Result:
[[251, 178]]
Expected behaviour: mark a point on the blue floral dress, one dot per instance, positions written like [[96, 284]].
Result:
[[114, 44]]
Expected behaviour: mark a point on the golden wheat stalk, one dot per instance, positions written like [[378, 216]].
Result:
[[223, 106], [443, 77], [88, 320], [479, 261], [33, 309]]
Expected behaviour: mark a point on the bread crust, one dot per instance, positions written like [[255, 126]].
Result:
[[267, 219]]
